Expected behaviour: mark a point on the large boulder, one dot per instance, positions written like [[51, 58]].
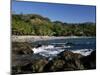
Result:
[[72, 60], [22, 64], [38, 65], [54, 65], [89, 61], [21, 48], [68, 55], [65, 61]]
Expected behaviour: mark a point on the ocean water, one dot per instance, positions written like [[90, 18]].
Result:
[[50, 48]]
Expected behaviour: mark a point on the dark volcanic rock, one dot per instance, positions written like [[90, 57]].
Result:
[[38, 65], [22, 64], [89, 61], [38, 45], [21, 57], [21, 48], [54, 65], [68, 55], [65, 61]]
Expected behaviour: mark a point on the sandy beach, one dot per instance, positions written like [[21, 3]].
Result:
[[15, 38]]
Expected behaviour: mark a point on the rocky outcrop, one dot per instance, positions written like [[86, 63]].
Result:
[[68, 61], [72, 60], [21, 56], [38, 65], [54, 65], [64, 61], [21, 48], [22, 64], [89, 61], [68, 55]]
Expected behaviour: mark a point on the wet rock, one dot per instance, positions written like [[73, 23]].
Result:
[[38, 45], [69, 43], [21, 48], [54, 65], [38, 65], [89, 61], [68, 55], [35, 66], [72, 61], [65, 61], [72, 65], [22, 64]]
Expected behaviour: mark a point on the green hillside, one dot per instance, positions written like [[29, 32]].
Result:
[[33, 24]]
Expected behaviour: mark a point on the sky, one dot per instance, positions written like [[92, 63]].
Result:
[[57, 12]]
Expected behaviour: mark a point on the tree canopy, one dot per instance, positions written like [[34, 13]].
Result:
[[33, 24]]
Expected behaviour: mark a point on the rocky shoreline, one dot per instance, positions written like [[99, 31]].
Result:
[[15, 38], [24, 60]]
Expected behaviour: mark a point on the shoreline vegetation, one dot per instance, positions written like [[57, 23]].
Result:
[[37, 25]]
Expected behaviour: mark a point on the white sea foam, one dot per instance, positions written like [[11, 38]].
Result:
[[84, 52], [47, 51], [50, 50]]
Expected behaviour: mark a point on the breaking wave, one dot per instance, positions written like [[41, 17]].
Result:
[[51, 50]]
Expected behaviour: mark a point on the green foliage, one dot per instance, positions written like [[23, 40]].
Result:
[[32, 24], [20, 27]]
